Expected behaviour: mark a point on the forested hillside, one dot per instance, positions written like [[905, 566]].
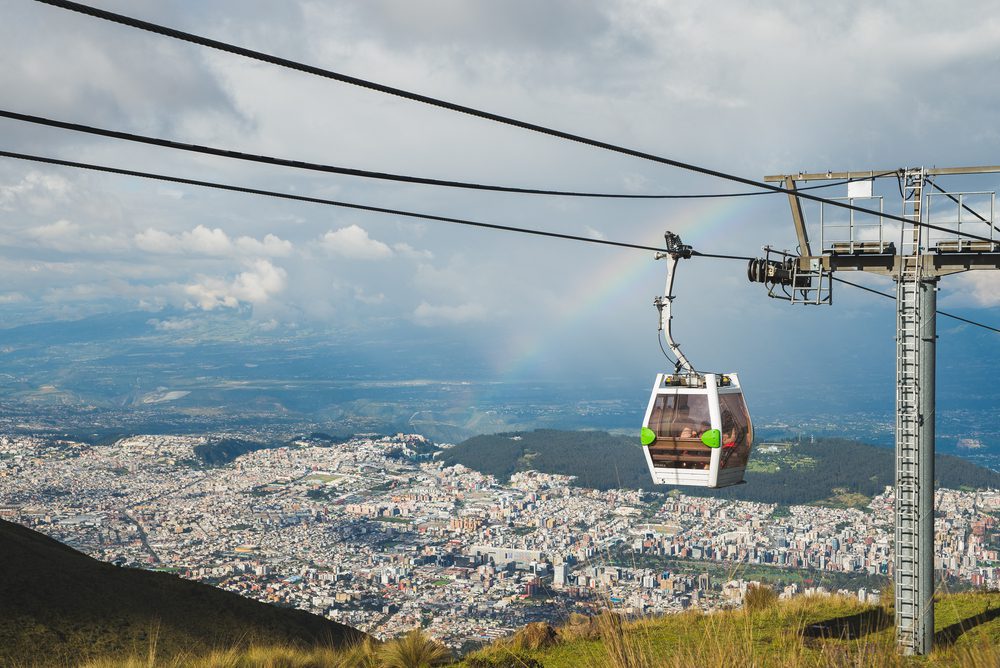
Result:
[[800, 473], [225, 450]]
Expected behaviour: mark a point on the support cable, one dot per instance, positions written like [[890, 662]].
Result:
[[350, 171], [962, 204], [318, 200], [893, 297], [409, 214], [722, 257], [462, 109]]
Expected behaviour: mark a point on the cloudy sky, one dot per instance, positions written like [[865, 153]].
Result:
[[742, 87]]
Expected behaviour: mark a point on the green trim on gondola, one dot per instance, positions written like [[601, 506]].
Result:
[[647, 436], [712, 438]]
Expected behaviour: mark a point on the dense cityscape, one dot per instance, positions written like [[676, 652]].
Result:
[[373, 532]]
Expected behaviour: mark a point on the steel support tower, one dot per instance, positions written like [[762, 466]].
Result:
[[913, 567], [916, 265]]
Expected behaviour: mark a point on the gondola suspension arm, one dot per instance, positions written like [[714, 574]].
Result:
[[675, 251]]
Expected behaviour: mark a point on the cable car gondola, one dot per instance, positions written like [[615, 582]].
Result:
[[697, 430]]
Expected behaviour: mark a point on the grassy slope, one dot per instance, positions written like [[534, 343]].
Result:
[[774, 637], [58, 605]]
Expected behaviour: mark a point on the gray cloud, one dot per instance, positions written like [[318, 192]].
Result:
[[67, 66], [558, 25], [737, 86]]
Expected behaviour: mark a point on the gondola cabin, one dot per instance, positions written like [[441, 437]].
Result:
[[697, 430]]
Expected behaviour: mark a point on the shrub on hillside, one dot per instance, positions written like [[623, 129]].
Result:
[[759, 597], [413, 650], [502, 658], [537, 635], [578, 627]]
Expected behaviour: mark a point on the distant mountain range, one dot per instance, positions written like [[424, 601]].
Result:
[[827, 470], [178, 372], [60, 607]]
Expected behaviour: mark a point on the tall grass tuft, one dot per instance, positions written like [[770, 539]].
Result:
[[360, 655], [762, 638], [535, 636], [413, 650], [887, 596], [980, 654], [501, 654], [578, 627], [759, 597], [625, 649]]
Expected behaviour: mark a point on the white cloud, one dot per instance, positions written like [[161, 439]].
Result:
[[206, 241], [210, 241], [353, 242], [12, 298], [408, 251], [35, 190], [68, 237], [430, 314], [156, 241], [257, 285], [172, 324], [453, 279], [365, 298], [271, 246], [973, 288], [55, 233]]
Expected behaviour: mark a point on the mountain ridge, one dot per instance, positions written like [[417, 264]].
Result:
[[60, 604]]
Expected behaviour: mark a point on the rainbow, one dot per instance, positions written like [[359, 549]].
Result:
[[622, 276]]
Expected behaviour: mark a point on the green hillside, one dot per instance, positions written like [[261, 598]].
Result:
[[222, 451], [803, 473], [60, 607], [802, 632]]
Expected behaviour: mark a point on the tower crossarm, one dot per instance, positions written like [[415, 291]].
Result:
[[932, 264]]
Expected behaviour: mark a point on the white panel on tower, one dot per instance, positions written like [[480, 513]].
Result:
[[860, 188]]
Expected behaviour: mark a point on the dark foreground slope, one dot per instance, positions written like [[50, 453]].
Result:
[[802, 473], [59, 606]]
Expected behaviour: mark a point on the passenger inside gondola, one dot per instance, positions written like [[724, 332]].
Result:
[[736, 434], [729, 435], [678, 422]]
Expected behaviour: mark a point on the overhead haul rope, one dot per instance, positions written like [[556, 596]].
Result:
[[462, 109], [398, 212], [319, 200], [351, 171], [886, 294]]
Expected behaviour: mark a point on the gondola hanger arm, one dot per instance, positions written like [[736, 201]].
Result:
[[676, 250]]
